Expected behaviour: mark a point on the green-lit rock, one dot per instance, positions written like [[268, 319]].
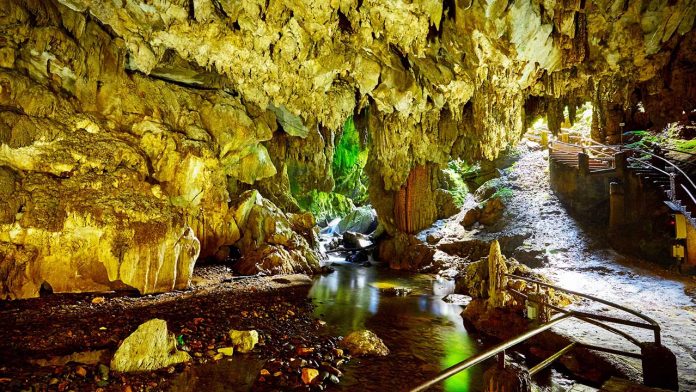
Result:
[[150, 347]]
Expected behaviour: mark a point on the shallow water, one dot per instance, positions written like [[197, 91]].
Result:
[[424, 333]]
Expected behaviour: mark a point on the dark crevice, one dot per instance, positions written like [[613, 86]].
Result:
[[344, 23], [449, 11], [219, 9], [191, 10], [176, 82], [402, 58], [105, 27]]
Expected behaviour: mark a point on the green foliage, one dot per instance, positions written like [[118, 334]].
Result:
[[350, 158], [326, 206], [349, 163], [503, 193], [643, 139], [686, 145], [455, 174], [348, 152]]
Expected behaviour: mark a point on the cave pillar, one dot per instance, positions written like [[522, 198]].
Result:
[[554, 115], [612, 125], [414, 204]]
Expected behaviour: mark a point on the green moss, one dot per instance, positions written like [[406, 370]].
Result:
[[326, 206], [348, 169], [348, 165], [686, 145], [456, 174], [503, 193]]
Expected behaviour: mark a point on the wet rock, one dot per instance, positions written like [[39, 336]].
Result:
[[309, 375], [353, 240], [396, 291], [358, 257], [457, 299], [150, 347], [227, 351], [364, 343], [244, 341], [361, 220], [84, 357]]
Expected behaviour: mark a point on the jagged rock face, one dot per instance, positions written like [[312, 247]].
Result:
[[120, 114]]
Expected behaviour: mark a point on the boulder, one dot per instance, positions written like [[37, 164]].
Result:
[[446, 206], [244, 341], [492, 211], [361, 220], [353, 240], [273, 242], [488, 189], [150, 347], [364, 343], [471, 216]]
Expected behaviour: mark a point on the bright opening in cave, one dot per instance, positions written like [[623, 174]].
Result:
[[218, 195]]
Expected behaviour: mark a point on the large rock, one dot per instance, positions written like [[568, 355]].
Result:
[[364, 343], [93, 233], [244, 341], [269, 244], [361, 220], [150, 347]]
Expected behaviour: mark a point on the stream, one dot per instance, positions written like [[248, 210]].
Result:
[[424, 333]]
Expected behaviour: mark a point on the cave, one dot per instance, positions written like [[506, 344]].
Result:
[[476, 195]]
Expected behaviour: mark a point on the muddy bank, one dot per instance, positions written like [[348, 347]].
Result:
[[57, 325]]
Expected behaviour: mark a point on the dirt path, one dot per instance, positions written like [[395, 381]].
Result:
[[577, 258]]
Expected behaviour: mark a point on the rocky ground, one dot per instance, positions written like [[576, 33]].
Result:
[[537, 230], [38, 334]]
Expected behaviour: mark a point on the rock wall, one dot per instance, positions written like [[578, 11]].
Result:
[[132, 117]]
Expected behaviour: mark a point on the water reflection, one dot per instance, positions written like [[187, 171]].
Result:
[[424, 333], [236, 374]]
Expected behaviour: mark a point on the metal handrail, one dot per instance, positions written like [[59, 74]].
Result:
[[668, 162], [586, 317], [566, 314], [476, 359], [648, 165], [653, 323], [688, 193]]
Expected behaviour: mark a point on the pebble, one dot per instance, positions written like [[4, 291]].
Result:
[[81, 371], [309, 375]]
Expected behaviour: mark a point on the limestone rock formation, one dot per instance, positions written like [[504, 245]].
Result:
[[150, 347], [274, 242], [364, 343], [124, 124]]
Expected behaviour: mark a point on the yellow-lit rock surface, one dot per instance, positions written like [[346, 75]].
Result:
[[129, 130], [150, 347]]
